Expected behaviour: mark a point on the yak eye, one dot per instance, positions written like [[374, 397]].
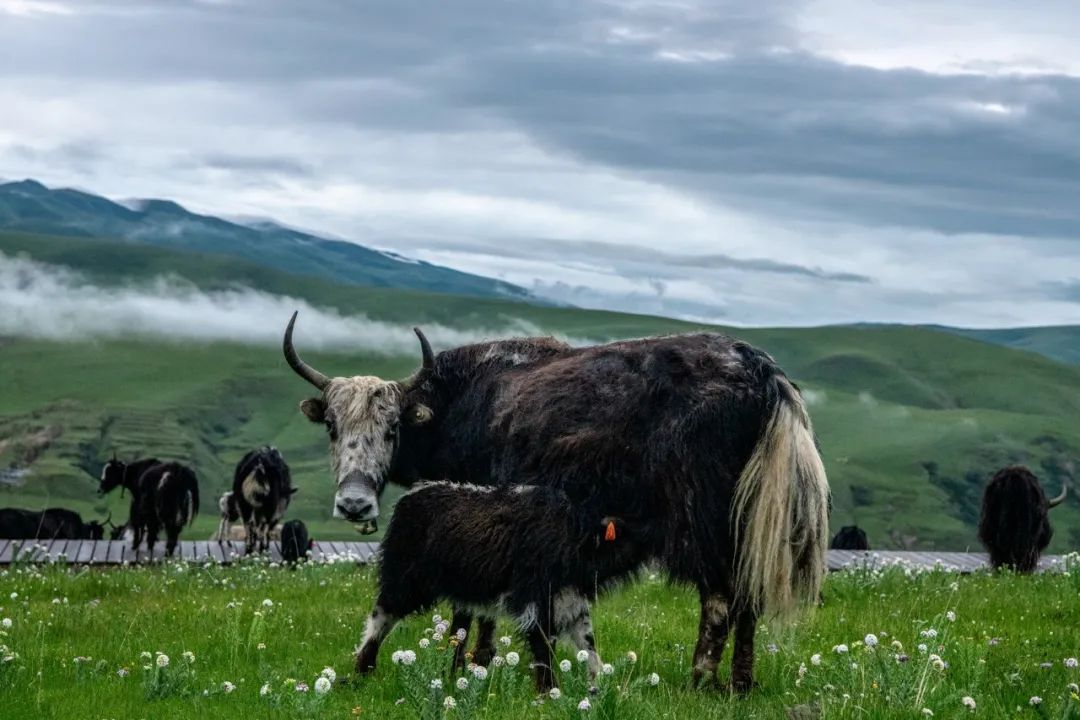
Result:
[[421, 414]]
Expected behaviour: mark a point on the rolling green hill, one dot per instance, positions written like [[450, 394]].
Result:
[[911, 420], [1061, 342]]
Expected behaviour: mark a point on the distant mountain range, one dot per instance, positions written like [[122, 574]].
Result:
[[29, 206]]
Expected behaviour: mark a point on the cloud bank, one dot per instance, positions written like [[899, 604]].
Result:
[[48, 302]]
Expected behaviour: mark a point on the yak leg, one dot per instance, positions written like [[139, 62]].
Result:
[[378, 626], [462, 620], [573, 620], [484, 650], [742, 661], [137, 536], [172, 536], [542, 645], [712, 634], [151, 538], [250, 528]]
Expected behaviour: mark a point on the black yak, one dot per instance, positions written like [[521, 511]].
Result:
[[48, 524], [1014, 527], [702, 434], [262, 488], [166, 498], [118, 474], [850, 537], [295, 541], [526, 550]]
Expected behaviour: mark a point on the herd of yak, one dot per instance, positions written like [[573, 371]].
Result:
[[539, 473], [165, 497]]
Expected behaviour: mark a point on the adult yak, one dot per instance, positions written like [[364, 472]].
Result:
[[701, 434], [1014, 526]]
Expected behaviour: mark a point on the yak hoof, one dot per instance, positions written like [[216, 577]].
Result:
[[483, 655]]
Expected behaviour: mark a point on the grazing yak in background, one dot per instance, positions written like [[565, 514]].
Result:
[[48, 524], [262, 489], [850, 537], [518, 548], [1015, 527], [118, 474], [701, 435], [295, 541], [164, 496]]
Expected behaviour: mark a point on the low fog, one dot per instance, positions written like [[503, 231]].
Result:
[[46, 301]]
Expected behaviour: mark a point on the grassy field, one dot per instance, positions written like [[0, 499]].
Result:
[[911, 420], [85, 644]]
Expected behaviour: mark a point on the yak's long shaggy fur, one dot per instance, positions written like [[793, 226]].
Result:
[[525, 550], [667, 428], [1015, 526], [167, 498]]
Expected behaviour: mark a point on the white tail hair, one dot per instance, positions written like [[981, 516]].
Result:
[[781, 513]]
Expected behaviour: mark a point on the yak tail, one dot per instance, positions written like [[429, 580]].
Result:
[[191, 486], [781, 512]]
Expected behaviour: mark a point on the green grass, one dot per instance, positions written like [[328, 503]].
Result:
[[1005, 628], [911, 420]]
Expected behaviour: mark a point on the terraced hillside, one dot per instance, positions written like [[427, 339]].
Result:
[[911, 420]]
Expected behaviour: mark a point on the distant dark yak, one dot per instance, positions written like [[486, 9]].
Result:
[[1015, 527], [48, 524], [165, 496], [700, 435], [850, 537], [519, 549], [295, 541], [262, 489]]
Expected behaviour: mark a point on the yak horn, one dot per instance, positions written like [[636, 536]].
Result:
[[1053, 502], [301, 368], [425, 349], [106, 521]]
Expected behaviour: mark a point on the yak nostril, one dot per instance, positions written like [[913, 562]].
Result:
[[365, 510]]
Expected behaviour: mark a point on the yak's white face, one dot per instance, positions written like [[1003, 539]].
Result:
[[361, 415]]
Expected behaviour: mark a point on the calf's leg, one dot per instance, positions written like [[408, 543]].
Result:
[[378, 626]]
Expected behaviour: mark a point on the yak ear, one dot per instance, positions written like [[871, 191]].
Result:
[[293, 491], [314, 409]]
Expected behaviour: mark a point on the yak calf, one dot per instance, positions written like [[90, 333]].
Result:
[[525, 550]]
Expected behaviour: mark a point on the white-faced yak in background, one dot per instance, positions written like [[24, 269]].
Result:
[[701, 435], [849, 537], [262, 489], [1015, 526]]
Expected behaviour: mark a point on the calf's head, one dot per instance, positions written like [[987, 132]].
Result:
[[365, 418], [112, 476]]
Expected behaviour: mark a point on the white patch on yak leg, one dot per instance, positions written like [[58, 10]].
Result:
[[573, 621], [378, 626]]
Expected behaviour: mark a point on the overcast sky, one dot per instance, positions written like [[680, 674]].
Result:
[[765, 163]]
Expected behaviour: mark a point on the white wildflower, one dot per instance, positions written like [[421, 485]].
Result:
[[1074, 688], [396, 657], [122, 672], [512, 659], [6, 623], [162, 660], [1071, 663], [582, 656], [1035, 700], [584, 705], [555, 693], [928, 712], [950, 616], [322, 686], [436, 684], [268, 603], [144, 655], [840, 649], [14, 596], [424, 643], [564, 665], [498, 661], [460, 634], [329, 673], [815, 659], [870, 640], [408, 657], [930, 633], [654, 679], [301, 687], [437, 637], [631, 656], [442, 627], [607, 669], [462, 683], [449, 702], [968, 702], [480, 672], [802, 670], [505, 640], [265, 689], [922, 648], [188, 656], [227, 687], [436, 619]]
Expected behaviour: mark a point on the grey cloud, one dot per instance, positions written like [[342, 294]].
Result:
[[273, 164]]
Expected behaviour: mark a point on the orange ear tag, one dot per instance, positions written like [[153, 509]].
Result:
[[609, 534]]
